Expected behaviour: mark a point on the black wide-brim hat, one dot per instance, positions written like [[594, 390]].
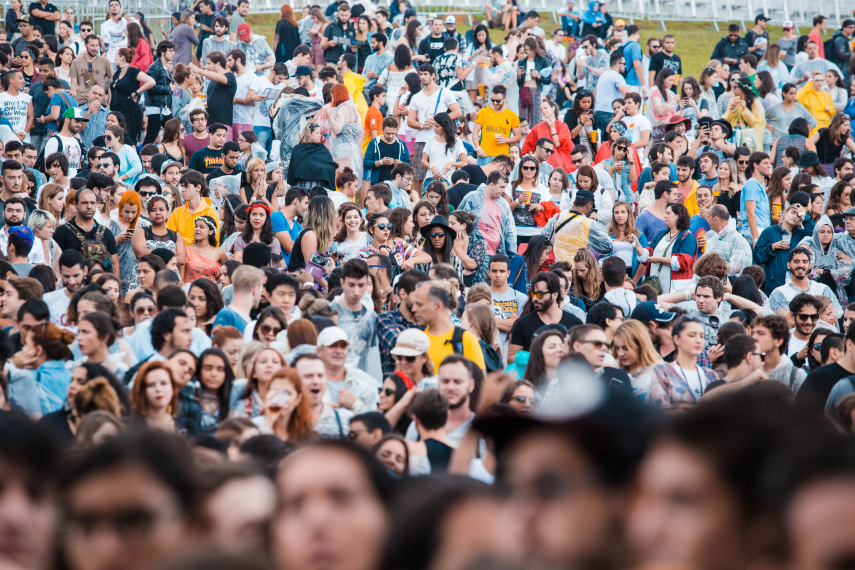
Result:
[[442, 222]]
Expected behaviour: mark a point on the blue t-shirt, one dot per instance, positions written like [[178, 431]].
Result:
[[60, 100], [708, 181], [646, 176], [230, 318], [631, 53], [280, 224], [753, 191], [607, 91], [649, 225]]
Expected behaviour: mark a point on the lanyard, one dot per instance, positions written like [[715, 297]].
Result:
[[697, 390]]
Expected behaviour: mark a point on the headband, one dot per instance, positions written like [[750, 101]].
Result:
[[261, 205], [208, 222]]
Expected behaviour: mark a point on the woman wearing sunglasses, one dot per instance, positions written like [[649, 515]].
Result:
[[521, 397], [528, 195], [439, 240], [380, 231], [684, 380], [394, 389], [623, 167], [142, 308], [270, 323]]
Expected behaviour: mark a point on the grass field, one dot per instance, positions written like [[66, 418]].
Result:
[[695, 40]]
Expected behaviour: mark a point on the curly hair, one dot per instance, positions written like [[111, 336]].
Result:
[[590, 287], [778, 327], [341, 235], [710, 264]]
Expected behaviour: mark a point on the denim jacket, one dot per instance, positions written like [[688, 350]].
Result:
[[474, 203]]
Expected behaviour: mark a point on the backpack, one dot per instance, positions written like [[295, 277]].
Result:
[[828, 46], [492, 359], [94, 249], [626, 67], [456, 341], [40, 161]]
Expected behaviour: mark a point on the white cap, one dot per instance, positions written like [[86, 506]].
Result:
[[331, 335], [450, 20], [411, 342], [788, 25]]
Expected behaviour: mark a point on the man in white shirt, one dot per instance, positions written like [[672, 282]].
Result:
[[72, 271], [610, 86], [637, 125], [556, 46], [799, 267], [15, 214], [244, 108], [532, 19], [423, 106], [261, 118], [73, 121], [115, 30]]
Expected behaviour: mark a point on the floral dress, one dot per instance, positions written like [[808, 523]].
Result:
[[128, 261], [477, 250], [152, 242]]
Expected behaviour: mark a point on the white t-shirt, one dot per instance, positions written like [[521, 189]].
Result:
[[14, 109], [116, 35], [58, 302], [426, 107], [338, 199], [634, 126], [437, 156], [243, 113], [70, 148], [559, 50], [261, 118]]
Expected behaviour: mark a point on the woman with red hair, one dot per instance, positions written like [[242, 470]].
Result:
[[287, 35], [130, 207], [154, 397], [286, 413], [347, 131]]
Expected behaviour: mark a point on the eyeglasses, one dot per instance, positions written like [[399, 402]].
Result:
[[409, 359], [538, 294], [386, 391], [595, 343], [197, 119], [804, 317], [528, 168], [267, 329], [89, 65], [817, 346], [384, 226], [434, 235], [144, 310]]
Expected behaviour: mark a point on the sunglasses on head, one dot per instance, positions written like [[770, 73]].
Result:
[[434, 235]]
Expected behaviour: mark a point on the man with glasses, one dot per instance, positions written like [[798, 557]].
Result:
[[799, 267], [546, 298], [611, 86], [728, 50], [804, 312], [556, 46], [744, 361], [401, 184], [590, 342], [495, 128], [654, 45], [198, 138], [89, 70]]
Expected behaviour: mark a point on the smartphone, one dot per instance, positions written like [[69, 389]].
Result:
[[319, 259]]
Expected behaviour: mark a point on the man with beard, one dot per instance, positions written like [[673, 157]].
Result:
[[87, 236], [799, 267], [72, 271], [14, 215], [72, 122], [432, 309], [776, 243], [244, 107], [456, 382], [546, 299], [13, 185], [390, 324]]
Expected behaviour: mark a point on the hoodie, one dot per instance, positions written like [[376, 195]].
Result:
[[593, 15], [840, 271], [354, 83]]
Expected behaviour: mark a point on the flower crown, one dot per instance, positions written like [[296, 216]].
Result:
[[261, 205]]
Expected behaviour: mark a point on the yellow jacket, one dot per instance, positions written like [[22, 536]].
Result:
[[183, 221], [354, 83], [816, 102], [753, 120], [691, 201]]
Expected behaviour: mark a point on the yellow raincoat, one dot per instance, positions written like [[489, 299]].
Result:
[[816, 102], [354, 83], [752, 123]]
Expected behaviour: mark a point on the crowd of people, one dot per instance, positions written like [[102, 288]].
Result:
[[547, 302]]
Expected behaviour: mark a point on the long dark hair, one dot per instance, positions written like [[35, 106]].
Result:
[[402, 59], [135, 35], [664, 74], [414, 84], [123, 122], [527, 158], [230, 204], [213, 298], [442, 256], [775, 189], [266, 235], [449, 130], [488, 44], [576, 108], [439, 188], [744, 286], [747, 95], [767, 84], [536, 368], [224, 391], [410, 34], [536, 246], [399, 217]]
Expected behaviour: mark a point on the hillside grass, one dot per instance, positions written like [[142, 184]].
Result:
[[695, 40]]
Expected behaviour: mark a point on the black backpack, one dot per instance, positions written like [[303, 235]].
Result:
[[828, 46], [626, 67], [40, 161], [456, 341]]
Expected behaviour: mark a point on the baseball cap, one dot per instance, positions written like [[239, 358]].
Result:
[[302, 70], [651, 311], [244, 32], [450, 20], [25, 18], [74, 113], [331, 335], [620, 23], [584, 195], [788, 25], [169, 163], [761, 17], [411, 342]]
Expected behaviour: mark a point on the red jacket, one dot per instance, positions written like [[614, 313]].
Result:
[[561, 157], [143, 58]]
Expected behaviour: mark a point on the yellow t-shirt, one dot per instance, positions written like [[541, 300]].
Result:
[[493, 123], [439, 349]]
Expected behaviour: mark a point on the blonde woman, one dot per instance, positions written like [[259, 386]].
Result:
[[776, 67], [315, 237], [43, 224], [52, 200], [587, 278], [629, 243], [636, 355], [254, 183]]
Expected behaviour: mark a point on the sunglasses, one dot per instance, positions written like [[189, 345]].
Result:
[[523, 399], [267, 329], [577, 162], [103, 165], [384, 226], [548, 151], [817, 346], [409, 359], [742, 162], [434, 235], [762, 355], [145, 194], [538, 294], [108, 139], [496, 101], [528, 168], [144, 310], [594, 343], [386, 391], [621, 148], [805, 318]]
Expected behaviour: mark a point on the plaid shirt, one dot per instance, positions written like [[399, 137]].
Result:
[[732, 247], [390, 324]]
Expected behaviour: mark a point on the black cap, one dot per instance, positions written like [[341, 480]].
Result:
[[584, 195], [761, 17], [808, 158]]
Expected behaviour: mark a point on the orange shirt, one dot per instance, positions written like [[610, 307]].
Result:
[[373, 121]]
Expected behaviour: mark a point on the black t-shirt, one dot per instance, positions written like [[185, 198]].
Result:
[[432, 47], [206, 160], [660, 61], [218, 172], [476, 174], [65, 238], [817, 386], [526, 326], [387, 151], [48, 26], [221, 101], [334, 31], [459, 191], [617, 379]]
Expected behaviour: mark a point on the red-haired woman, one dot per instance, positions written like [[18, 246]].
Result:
[[347, 130], [154, 397], [286, 412], [130, 206], [287, 36]]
